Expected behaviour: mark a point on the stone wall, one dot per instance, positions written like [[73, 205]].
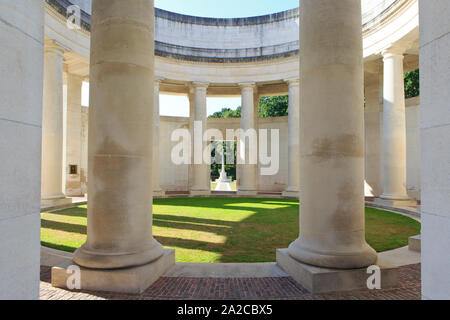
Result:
[[176, 178], [435, 133], [21, 88]]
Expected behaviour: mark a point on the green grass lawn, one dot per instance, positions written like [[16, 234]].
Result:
[[225, 229]]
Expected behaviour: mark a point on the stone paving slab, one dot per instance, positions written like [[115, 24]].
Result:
[[226, 270], [271, 288]]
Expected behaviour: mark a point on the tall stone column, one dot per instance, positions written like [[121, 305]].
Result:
[[394, 130], [372, 125], [248, 171], [293, 139], [157, 191], [332, 224], [119, 232], [73, 138], [191, 98], [52, 127], [84, 149], [200, 170]]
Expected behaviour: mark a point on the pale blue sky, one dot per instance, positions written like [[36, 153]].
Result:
[[179, 105], [226, 8]]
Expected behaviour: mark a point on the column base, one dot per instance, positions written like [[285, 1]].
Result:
[[200, 193], [291, 193], [395, 202], [361, 258], [247, 193], [158, 193], [133, 280], [414, 243], [322, 280], [55, 202], [91, 259]]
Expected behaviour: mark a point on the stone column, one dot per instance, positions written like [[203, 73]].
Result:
[[200, 170], [394, 130], [119, 232], [191, 98], [52, 127], [293, 139], [73, 138], [332, 224], [84, 149], [248, 171], [372, 125], [157, 191]]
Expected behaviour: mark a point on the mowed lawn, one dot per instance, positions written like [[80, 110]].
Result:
[[225, 229]]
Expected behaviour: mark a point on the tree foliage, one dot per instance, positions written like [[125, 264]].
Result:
[[276, 106], [412, 84], [227, 113]]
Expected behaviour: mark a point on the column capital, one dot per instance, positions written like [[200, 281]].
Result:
[[158, 79], [200, 85], [292, 81], [396, 49], [157, 82], [244, 85], [74, 76], [54, 47]]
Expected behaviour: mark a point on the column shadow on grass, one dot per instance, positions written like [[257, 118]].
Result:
[[255, 238]]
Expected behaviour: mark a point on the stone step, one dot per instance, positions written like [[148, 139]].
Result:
[[414, 243]]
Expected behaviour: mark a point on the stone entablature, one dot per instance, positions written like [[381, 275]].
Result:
[[263, 50], [260, 38]]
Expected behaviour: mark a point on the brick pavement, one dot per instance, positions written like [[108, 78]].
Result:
[[284, 288]]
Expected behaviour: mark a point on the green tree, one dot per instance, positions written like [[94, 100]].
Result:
[[227, 113], [276, 106], [412, 84]]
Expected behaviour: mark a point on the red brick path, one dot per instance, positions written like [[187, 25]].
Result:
[[236, 289]]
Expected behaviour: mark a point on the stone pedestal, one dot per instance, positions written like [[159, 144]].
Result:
[[395, 202], [415, 243], [291, 194], [322, 280], [247, 193], [159, 193], [200, 193], [133, 280], [56, 202]]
